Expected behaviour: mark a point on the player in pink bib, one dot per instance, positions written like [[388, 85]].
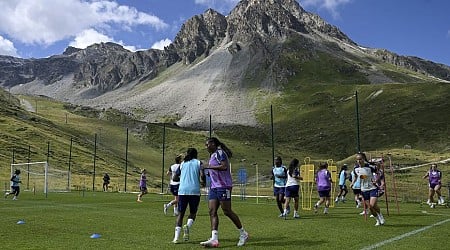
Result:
[[434, 186]]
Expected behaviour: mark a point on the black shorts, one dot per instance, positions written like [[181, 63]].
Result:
[[192, 200], [15, 189], [174, 189]]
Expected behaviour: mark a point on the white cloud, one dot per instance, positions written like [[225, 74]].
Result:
[[161, 44], [223, 6], [216, 2], [329, 5], [129, 47], [7, 47], [91, 36], [48, 21], [108, 11]]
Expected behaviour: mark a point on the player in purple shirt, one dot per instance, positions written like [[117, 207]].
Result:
[[220, 191], [434, 178], [142, 185], [380, 179], [323, 181]]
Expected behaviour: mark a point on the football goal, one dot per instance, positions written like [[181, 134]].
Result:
[[40, 177]]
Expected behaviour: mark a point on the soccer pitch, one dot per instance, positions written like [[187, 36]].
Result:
[[67, 220]]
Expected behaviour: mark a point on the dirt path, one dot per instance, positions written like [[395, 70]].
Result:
[[27, 105], [421, 165]]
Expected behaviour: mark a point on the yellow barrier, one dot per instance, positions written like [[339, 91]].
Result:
[[307, 184], [333, 170]]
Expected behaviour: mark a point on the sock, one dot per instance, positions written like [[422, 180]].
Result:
[[215, 235], [177, 233], [241, 230], [190, 222]]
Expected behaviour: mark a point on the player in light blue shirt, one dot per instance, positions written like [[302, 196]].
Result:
[[343, 188], [191, 178], [356, 187], [279, 176], [15, 185]]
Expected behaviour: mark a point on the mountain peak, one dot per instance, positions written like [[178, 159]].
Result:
[[70, 50], [277, 19], [262, 45]]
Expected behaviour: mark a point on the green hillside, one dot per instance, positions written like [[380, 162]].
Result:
[[410, 121], [322, 118]]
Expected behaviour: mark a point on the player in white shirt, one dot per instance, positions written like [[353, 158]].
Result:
[[292, 187], [367, 173], [174, 185]]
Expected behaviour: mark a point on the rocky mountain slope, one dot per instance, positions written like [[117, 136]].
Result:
[[217, 65]]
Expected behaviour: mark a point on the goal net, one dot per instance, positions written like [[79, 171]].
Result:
[[40, 177]]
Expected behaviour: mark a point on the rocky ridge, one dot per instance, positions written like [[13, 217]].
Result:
[[214, 64]]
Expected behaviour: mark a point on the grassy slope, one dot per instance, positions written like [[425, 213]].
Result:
[[311, 118], [323, 118], [315, 112]]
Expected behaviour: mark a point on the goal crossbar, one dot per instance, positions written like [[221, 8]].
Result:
[[29, 163]]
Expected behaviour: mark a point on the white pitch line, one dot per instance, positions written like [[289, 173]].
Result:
[[404, 235], [425, 212]]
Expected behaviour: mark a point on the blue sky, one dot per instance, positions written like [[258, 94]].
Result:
[[41, 28]]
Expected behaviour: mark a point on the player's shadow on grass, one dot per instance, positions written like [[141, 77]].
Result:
[[264, 242], [285, 242]]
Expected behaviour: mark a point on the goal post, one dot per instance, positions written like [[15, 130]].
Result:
[[39, 176]]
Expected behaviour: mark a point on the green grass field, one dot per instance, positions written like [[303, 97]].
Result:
[[67, 220]]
